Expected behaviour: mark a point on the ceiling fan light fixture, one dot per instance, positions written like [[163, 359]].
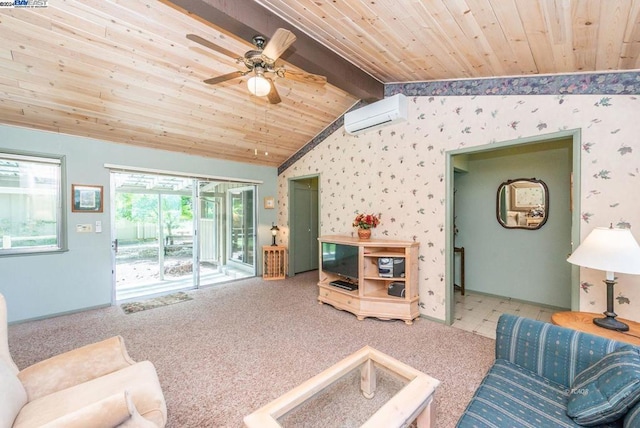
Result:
[[260, 61], [258, 85]]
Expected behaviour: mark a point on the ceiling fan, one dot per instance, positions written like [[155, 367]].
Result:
[[260, 63]]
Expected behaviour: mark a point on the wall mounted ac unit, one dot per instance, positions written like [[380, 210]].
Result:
[[381, 113]]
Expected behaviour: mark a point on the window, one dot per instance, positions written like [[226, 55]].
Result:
[[31, 217]]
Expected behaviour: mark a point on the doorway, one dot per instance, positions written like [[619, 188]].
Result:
[[304, 224], [164, 226], [507, 262]]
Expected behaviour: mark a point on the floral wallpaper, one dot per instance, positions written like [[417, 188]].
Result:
[[399, 171]]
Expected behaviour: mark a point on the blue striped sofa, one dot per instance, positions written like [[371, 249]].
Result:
[[529, 383]]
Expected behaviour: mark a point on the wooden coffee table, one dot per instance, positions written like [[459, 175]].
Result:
[[583, 321], [413, 402]]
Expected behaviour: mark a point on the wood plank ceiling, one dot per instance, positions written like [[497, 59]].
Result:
[[123, 71], [401, 41]]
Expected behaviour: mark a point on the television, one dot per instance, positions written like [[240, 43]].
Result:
[[340, 259]]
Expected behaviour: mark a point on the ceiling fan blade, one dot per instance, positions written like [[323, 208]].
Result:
[[301, 76], [224, 77], [279, 43], [212, 46], [273, 96]]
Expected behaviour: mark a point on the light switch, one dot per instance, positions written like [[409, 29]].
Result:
[[84, 228], [98, 226]]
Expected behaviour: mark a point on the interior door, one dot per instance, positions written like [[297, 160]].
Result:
[[304, 223]]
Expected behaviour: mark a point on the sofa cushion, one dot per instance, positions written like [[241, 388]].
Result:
[[551, 351], [632, 420], [111, 411], [12, 395], [605, 391], [511, 396], [117, 410]]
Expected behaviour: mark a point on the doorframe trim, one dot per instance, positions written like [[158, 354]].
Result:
[[576, 137], [112, 236], [290, 180]]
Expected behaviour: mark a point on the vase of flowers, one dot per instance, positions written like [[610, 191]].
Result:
[[364, 223]]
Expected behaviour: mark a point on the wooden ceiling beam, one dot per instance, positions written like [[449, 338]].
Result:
[[246, 18]]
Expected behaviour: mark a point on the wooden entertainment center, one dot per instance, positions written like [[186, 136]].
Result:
[[372, 298]]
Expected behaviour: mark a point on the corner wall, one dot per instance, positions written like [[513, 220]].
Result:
[[399, 171], [42, 285]]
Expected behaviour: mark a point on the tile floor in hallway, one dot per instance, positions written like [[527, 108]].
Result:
[[479, 313]]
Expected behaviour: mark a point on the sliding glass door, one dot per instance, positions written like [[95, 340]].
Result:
[[242, 226], [211, 266], [165, 226], [154, 234]]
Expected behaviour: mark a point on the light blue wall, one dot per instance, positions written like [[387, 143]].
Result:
[[37, 286], [527, 265]]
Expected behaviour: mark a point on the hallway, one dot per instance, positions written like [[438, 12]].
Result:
[[479, 313]]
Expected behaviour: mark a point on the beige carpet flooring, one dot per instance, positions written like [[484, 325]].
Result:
[[237, 346]]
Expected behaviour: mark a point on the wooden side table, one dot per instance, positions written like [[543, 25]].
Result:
[[274, 262], [583, 321]]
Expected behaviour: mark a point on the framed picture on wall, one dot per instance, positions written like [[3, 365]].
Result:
[[86, 198], [269, 202]]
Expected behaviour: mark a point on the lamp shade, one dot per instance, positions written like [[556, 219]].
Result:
[[258, 85], [608, 249]]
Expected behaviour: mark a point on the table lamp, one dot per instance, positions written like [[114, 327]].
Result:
[[274, 232], [611, 250]]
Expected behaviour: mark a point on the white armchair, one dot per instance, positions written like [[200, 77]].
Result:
[[97, 385]]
